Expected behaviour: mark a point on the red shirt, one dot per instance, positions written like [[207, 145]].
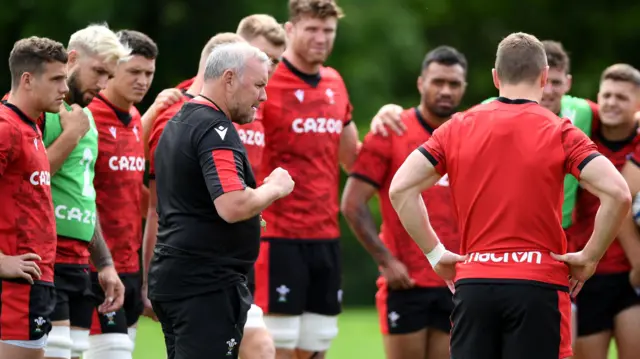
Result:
[[119, 177], [587, 205], [506, 162], [184, 85], [27, 221], [303, 118], [378, 161], [251, 135]]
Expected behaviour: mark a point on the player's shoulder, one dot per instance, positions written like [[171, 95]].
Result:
[[201, 114], [8, 117], [327, 72]]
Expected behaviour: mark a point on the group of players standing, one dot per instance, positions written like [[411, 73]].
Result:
[[78, 104]]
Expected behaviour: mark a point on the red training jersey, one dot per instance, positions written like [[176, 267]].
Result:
[[27, 221], [156, 131], [377, 162], [119, 179], [303, 118], [587, 205], [506, 162], [184, 85]]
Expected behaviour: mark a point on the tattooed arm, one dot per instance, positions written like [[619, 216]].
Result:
[[98, 249]]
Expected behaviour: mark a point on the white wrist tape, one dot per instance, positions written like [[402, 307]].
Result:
[[436, 254]]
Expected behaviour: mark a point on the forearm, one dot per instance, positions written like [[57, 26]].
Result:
[[60, 149], [629, 239], [361, 221], [608, 221], [98, 250], [415, 219], [147, 123], [149, 241], [246, 204]]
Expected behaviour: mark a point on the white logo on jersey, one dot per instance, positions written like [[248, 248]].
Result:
[[506, 257], [317, 125], [251, 137], [222, 131], [75, 214], [443, 181], [113, 131], [126, 163], [299, 95], [329, 94], [42, 178], [135, 132]]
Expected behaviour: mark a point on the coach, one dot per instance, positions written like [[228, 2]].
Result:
[[209, 209]]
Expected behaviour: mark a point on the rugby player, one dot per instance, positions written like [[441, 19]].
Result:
[[308, 131], [119, 185], [71, 140], [608, 305], [28, 246], [414, 304], [512, 237]]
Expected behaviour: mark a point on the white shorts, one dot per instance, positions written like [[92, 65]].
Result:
[[255, 318]]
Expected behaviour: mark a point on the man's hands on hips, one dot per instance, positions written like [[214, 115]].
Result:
[[581, 268], [113, 290]]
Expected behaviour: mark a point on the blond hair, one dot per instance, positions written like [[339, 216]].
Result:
[[520, 59], [99, 40], [257, 25]]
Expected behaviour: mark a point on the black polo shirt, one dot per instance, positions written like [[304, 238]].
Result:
[[200, 157]]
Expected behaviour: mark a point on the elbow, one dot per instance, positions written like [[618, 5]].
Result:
[[348, 208], [396, 195], [231, 214]]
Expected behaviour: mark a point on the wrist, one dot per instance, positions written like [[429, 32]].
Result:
[[435, 254]]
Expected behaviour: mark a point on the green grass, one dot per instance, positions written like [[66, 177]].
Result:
[[359, 338]]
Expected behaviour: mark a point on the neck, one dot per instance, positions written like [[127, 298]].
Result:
[[23, 103], [218, 97], [196, 86], [524, 91], [117, 100], [299, 63], [430, 117], [618, 132]]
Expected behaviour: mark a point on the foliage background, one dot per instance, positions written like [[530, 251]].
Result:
[[379, 49]]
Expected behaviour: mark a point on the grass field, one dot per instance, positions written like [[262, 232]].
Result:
[[359, 338]]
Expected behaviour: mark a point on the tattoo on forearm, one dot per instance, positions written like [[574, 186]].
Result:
[[365, 229], [98, 249]]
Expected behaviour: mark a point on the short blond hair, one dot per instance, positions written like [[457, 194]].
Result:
[[99, 40], [520, 59], [219, 39], [257, 25]]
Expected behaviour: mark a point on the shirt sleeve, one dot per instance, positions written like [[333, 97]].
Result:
[[373, 161], [9, 144], [435, 149], [578, 149], [221, 161], [634, 157]]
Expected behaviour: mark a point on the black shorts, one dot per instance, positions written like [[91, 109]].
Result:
[[518, 319], [602, 297], [74, 301], [295, 276], [25, 310], [128, 315], [207, 325], [410, 310]]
